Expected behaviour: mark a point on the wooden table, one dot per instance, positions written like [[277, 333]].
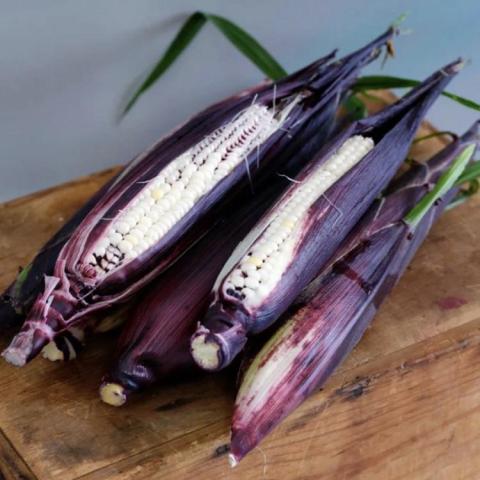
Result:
[[404, 405]]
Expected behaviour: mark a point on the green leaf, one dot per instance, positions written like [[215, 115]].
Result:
[[464, 195], [377, 82], [355, 108], [444, 184], [239, 37], [470, 173], [249, 47], [186, 34], [435, 134], [21, 277]]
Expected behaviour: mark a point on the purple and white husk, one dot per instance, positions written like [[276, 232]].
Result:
[[338, 307]]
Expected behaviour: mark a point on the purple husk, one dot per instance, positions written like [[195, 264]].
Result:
[[68, 296], [228, 322], [342, 302], [18, 298]]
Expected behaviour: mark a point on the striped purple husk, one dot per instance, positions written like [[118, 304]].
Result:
[[339, 305]]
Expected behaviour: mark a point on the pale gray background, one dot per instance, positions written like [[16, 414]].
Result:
[[66, 66]]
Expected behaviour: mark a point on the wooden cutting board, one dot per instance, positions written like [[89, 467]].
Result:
[[404, 405]]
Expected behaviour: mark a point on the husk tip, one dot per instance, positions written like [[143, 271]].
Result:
[[454, 67]]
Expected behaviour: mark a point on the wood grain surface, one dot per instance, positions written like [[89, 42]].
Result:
[[404, 405]]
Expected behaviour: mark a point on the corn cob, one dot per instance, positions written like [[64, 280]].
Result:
[[341, 303], [167, 198], [295, 239], [155, 341]]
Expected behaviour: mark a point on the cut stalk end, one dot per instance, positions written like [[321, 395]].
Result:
[[26, 344], [15, 356], [113, 394], [215, 350], [206, 351]]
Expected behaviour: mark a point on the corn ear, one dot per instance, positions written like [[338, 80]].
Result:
[[340, 304], [155, 341], [295, 239], [170, 195]]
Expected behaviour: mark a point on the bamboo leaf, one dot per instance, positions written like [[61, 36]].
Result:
[[184, 37], [444, 184], [377, 82], [249, 47]]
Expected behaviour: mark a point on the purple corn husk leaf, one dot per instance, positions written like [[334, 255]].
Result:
[[18, 298], [338, 307], [306, 99], [231, 318]]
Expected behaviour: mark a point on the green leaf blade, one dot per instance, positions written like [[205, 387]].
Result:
[[472, 172], [444, 184], [377, 82], [249, 47], [184, 37]]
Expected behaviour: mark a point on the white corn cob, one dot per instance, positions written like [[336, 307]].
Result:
[[174, 191], [258, 271]]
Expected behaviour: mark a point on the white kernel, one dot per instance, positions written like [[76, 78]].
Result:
[[164, 204], [132, 239], [125, 246], [248, 267], [189, 170], [122, 227], [157, 194], [145, 222], [136, 232], [214, 158], [251, 282], [130, 220], [168, 219], [114, 237], [154, 214], [238, 281], [255, 274], [249, 293]]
